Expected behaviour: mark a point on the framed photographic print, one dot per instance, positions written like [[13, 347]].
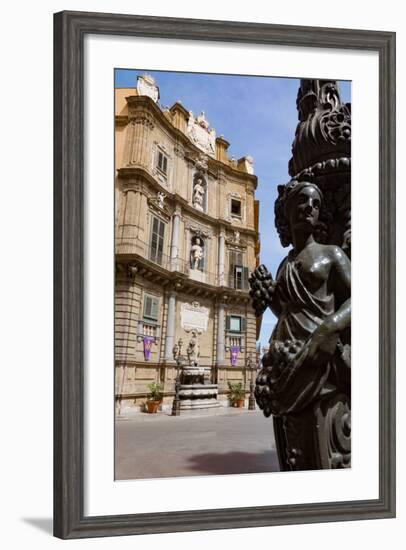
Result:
[[224, 275]]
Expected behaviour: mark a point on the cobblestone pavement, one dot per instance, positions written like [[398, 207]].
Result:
[[225, 441]]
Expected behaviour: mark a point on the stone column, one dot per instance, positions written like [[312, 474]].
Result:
[[187, 248], [220, 333], [175, 239], [132, 228], [170, 326], [129, 230], [221, 258], [139, 147]]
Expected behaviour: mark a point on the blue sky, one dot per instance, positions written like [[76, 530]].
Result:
[[258, 116]]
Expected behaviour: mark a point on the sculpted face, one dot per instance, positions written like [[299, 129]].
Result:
[[304, 208]]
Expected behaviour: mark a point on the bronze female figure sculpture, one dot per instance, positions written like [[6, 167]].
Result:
[[305, 378]]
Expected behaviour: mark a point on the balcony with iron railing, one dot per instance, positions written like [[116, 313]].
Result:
[[237, 279], [150, 329]]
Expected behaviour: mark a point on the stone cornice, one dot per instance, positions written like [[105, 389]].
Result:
[[232, 244], [180, 282], [154, 207], [146, 103], [178, 106], [196, 227], [137, 173]]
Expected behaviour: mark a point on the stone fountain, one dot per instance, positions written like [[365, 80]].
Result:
[[195, 390]]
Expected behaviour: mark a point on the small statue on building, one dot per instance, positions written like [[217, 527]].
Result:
[[198, 194], [196, 253], [146, 86], [193, 350], [160, 199]]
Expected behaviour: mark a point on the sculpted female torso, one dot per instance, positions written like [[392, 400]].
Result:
[[308, 287], [311, 299]]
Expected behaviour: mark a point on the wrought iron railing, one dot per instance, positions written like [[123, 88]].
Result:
[[126, 245], [148, 328], [238, 283]]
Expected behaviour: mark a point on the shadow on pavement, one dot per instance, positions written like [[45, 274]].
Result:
[[235, 463]]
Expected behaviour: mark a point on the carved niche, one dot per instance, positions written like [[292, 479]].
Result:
[[199, 191]]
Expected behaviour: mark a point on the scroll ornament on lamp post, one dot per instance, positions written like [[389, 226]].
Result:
[[305, 379]]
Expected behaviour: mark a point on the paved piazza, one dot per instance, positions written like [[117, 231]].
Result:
[[229, 441]]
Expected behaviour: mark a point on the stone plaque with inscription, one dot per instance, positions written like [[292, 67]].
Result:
[[194, 316]]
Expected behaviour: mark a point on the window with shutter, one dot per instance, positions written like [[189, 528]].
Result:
[[236, 270], [147, 306], [243, 324], [162, 162], [231, 256], [235, 258], [238, 276], [245, 283], [157, 240], [151, 308], [235, 323], [227, 322]]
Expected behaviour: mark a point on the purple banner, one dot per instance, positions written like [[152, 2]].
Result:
[[147, 347], [234, 351]]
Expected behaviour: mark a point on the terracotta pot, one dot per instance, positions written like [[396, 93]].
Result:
[[152, 406], [239, 403]]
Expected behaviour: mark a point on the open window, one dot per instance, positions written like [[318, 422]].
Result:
[[235, 208], [238, 273]]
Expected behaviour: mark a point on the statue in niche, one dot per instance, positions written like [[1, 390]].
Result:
[[198, 194], [193, 350], [196, 252], [160, 199], [305, 377]]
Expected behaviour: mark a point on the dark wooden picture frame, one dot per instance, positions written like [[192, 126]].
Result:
[[70, 29]]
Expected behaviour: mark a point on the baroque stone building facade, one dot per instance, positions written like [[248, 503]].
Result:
[[186, 239]]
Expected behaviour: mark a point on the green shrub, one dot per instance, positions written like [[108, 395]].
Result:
[[155, 392], [236, 391]]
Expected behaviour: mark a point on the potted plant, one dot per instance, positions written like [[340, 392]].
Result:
[[236, 394], [154, 397]]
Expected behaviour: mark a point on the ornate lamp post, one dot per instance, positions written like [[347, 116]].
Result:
[[177, 355]]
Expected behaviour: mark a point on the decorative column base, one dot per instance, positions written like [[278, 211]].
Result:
[[316, 438]]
